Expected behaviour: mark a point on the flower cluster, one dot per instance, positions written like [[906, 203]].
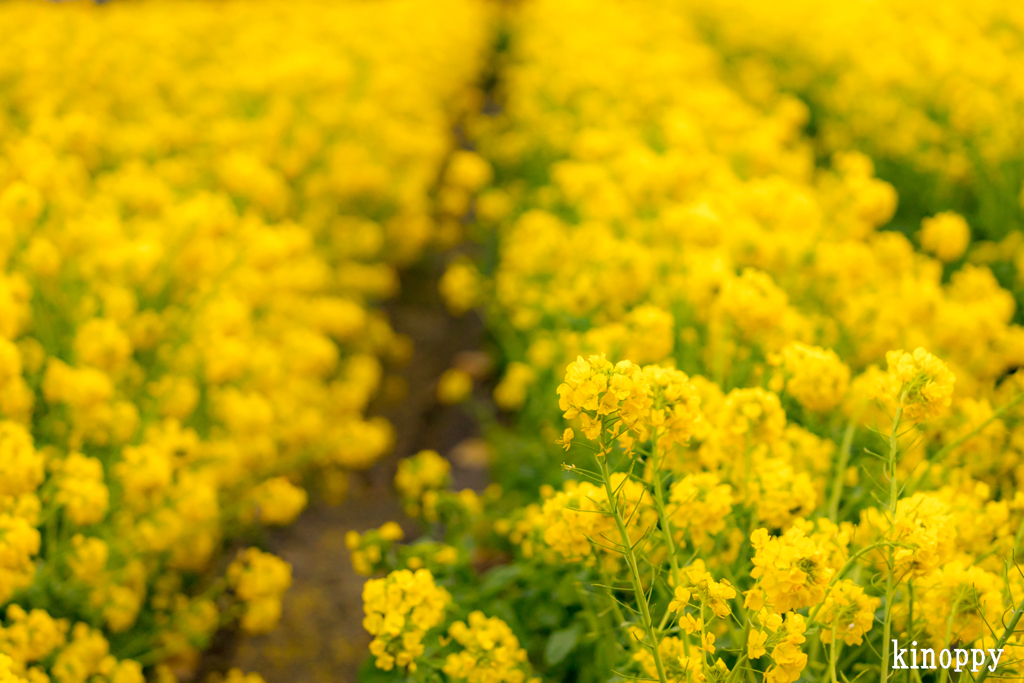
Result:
[[881, 79], [400, 610], [790, 570], [699, 505], [788, 659], [197, 224], [946, 235], [628, 403], [419, 479], [490, 654], [259, 579], [918, 383], [847, 613], [814, 376], [713, 460]]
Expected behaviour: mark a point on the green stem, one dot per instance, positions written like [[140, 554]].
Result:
[[666, 526], [910, 617], [844, 462], [1007, 632], [620, 618], [736, 669], [949, 635], [833, 654], [704, 656], [812, 657], [634, 571], [890, 580], [945, 450], [839, 575], [666, 523]]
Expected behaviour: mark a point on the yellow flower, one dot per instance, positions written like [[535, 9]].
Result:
[[31, 636], [566, 440], [963, 601], [511, 392], [755, 643], [791, 569], [751, 416], [468, 170], [89, 559], [391, 531], [922, 531], [82, 490], [848, 611], [21, 466], [788, 660], [101, 343], [7, 674], [700, 503], [454, 386], [420, 475], [754, 302], [680, 599], [278, 501], [713, 594], [946, 234], [259, 579], [815, 377], [460, 287], [19, 544], [918, 382], [490, 652], [400, 609]]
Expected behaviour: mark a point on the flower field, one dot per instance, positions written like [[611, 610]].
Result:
[[201, 206], [751, 279]]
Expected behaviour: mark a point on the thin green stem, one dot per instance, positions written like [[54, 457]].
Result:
[[949, 635], [629, 554], [1007, 632], [620, 618], [844, 462], [833, 654], [890, 579], [736, 669], [945, 450], [666, 525], [666, 522], [839, 575]]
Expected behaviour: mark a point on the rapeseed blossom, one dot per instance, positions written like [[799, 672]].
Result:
[[946, 235], [791, 569], [815, 377], [634, 232], [490, 654], [918, 383], [400, 610], [194, 238], [693, 233], [259, 580]]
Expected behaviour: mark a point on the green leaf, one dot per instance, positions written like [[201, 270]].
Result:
[[561, 643]]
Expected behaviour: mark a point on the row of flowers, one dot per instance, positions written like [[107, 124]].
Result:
[[748, 433], [201, 205]]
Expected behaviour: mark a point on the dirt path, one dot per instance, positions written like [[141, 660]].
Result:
[[320, 638]]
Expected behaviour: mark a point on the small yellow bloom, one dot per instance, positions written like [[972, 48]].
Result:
[[566, 440], [946, 234], [755, 643], [454, 386]]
